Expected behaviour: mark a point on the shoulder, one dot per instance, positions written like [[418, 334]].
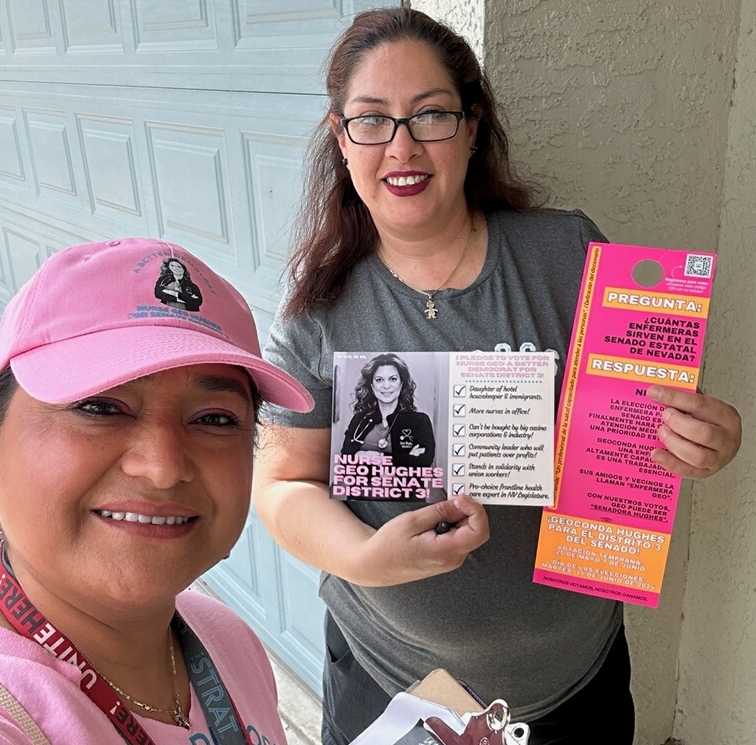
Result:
[[49, 691], [543, 243], [361, 419], [18, 650], [201, 610], [217, 626], [413, 417], [239, 657], [544, 227]]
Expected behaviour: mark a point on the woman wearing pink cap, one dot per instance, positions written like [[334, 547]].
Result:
[[126, 437]]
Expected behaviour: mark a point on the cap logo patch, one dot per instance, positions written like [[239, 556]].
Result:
[[174, 286]]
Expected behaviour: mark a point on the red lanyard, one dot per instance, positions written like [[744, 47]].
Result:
[[29, 622], [19, 611]]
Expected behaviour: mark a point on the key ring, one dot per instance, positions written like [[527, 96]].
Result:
[[490, 727]]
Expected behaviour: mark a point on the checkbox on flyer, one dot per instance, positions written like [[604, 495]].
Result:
[[460, 390], [459, 409], [458, 489], [458, 430], [458, 449], [458, 469]]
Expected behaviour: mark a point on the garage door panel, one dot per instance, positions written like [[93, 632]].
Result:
[[12, 170], [273, 46], [89, 26], [190, 179], [215, 176], [114, 187], [3, 35], [171, 25], [24, 256], [50, 152], [30, 26], [270, 22], [26, 240], [301, 632], [274, 180]]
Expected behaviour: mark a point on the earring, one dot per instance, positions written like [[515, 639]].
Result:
[[344, 162], [473, 150]]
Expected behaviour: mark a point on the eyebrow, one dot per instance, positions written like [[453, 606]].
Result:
[[222, 384], [415, 99]]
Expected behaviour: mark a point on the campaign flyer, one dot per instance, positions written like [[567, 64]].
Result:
[[641, 320], [426, 426]]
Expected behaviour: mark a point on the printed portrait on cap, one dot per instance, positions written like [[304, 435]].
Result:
[[174, 286]]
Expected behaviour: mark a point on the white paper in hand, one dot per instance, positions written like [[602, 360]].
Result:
[[401, 715]]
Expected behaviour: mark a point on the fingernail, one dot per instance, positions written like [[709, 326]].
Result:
[[654, 391]]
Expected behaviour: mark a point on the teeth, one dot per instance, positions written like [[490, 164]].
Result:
[[405, 180], [135, 517]]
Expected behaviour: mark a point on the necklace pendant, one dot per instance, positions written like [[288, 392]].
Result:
[[430, 309], [180, 718]]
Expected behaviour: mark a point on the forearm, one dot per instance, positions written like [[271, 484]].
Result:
[[290, 491], [324, 533], [314, 528]]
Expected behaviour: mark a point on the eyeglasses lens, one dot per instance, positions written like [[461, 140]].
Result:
[[425, 127]]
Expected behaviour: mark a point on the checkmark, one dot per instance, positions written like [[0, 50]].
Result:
[[458, 489], [458, 449], [460, 390], [458, 430], [458, 469], [459, 409]]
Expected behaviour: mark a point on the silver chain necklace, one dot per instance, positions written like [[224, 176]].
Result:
[[431, 311]]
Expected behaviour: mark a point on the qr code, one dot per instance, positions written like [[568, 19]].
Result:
[[698, 266]]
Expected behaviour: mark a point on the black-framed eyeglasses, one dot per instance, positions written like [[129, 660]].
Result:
[[428, 126]]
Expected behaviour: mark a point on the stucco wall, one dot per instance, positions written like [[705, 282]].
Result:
[[622, 109], [466, 17], [717, 695]]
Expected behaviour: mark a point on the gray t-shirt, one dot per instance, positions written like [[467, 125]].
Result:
[[487, 622]]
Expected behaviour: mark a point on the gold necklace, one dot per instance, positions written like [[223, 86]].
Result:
[[178, 714], [431, 311]]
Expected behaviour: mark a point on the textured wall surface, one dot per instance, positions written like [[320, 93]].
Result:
[[717, 695], [623, 106], [464, 16], [622, 109]]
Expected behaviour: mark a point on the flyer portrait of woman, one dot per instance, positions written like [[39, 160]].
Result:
[[386, 419]]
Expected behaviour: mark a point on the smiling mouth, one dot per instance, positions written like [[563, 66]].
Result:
[[135, 517], [406, 180]]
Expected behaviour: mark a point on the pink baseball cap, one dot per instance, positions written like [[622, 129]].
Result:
[[101, 314]]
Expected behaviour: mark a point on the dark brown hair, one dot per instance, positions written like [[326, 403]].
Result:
[[334, 229], [365, 401], [8, 387]]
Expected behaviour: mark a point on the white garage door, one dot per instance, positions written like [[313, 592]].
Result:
[[185, 120]]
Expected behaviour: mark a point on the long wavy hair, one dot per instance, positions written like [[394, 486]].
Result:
[[166, 273], [365, 402], [334, 229]]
